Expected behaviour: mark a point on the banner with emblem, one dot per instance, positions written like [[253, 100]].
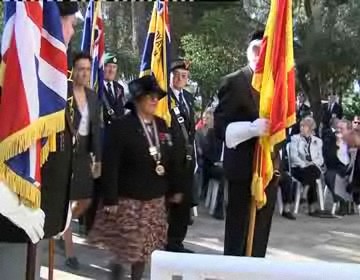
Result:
[[155, 58]]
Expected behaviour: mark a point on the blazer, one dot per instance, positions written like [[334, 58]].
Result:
[[298, 151], [116, 104], [129, 169], [238, 101], [94, 137]]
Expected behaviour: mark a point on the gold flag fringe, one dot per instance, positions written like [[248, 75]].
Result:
[[45, 127], [28, 192]]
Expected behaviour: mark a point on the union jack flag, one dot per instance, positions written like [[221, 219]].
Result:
[[94, 44], [33, 78]]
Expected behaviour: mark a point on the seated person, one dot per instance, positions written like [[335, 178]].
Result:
[[354, 178], [337, 160], [286, 185], [307, 160]]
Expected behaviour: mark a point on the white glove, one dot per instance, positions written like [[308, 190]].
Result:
[[30, 220], [239, 132], [260, 127]]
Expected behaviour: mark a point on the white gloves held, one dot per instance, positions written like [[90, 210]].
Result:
[[239, 132], [30, 220], [260, 127]]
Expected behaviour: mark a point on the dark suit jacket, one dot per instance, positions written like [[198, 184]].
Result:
[[330, 149], [355, 183], [94, 137], [237, 102], [327, 114], [128, 168], [117, 104], [189, 122]]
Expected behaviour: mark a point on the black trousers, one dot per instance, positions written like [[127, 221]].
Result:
[[287, 188], [178, 219], [308, 176], [237, 220]]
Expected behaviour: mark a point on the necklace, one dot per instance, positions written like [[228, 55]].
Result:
[[154, 148]]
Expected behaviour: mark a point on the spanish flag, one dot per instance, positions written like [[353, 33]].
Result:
[[155, 58], [274, 79]]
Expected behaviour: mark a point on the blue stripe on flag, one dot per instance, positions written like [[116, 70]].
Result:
[[10, 9], [147, 53], [52, 22], [20, 164]]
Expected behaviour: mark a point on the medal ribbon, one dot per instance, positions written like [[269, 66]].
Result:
[[154, 150]]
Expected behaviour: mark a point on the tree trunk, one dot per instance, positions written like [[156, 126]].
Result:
[[139, 27]]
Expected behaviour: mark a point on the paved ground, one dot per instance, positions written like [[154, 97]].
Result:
[[306, 239]]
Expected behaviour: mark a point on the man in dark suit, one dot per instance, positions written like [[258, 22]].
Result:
[[237, 123], [114, 94], [20, 224], [183, 126], [332, 110]]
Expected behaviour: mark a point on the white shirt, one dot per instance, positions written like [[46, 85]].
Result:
[[84, 121], [112, 86], [343, 153], [177, 95]]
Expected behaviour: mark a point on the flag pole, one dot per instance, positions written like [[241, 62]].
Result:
[[51, 258], [251, 230], [31, 261]]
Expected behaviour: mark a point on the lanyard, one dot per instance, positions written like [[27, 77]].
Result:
[[154, 149]]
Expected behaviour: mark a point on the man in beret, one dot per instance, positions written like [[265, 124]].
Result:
[[183, 126], [20, 224], [237, 122], [114, 95]]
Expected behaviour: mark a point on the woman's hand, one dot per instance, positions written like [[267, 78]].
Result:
[[176, 198], [111, 209]]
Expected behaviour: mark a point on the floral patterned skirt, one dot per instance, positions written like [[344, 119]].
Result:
[[134, 232]]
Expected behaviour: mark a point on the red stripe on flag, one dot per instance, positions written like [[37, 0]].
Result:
[[35, 13], [13, 96], [53, 56]]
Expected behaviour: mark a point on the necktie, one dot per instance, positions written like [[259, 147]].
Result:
[[182, 102], [109, 87]]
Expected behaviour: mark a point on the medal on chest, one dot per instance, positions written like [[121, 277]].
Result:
[[154, 147]]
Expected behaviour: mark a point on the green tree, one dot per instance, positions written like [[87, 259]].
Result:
[[216, 46]]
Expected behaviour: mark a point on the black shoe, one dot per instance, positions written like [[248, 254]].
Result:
[[288, 215], [321, 214], [72, 263]]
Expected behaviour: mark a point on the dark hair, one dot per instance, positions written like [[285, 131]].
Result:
[[81, 55]]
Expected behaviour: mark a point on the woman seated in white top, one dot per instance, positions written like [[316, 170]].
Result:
[[307, 159]]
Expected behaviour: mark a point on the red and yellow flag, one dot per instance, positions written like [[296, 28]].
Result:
[[274, 79]]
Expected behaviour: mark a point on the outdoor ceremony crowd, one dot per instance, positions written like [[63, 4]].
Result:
[[133, 179]]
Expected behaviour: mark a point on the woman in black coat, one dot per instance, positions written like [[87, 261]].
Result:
[[140, 174]]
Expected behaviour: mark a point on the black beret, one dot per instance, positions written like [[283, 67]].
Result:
[[67, 8], [180, 64], [256, 35]]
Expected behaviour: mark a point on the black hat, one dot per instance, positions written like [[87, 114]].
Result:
[[67, 8], [141, 87], [257, 35], [180, 63]]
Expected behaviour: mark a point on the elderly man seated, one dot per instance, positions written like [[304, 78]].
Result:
[[307, 160], [337, 159]]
